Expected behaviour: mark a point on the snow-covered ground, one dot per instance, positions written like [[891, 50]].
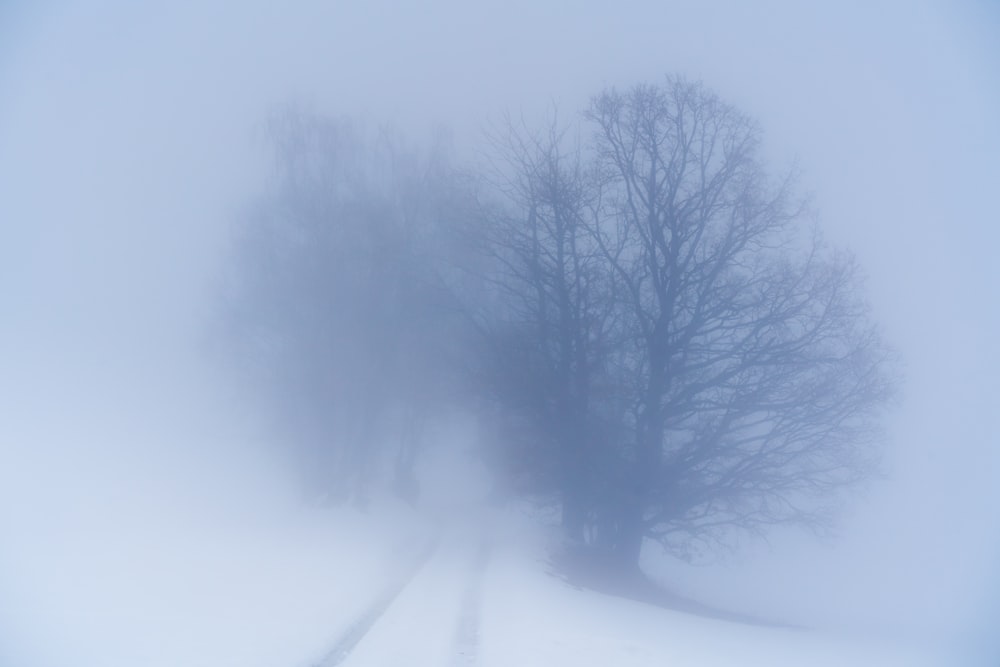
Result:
[[283, 593], [125, 547], [145, 595], [533, 619], [137, 569]]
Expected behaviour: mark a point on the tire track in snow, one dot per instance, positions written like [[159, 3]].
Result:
[[467, 633], [356, 631]]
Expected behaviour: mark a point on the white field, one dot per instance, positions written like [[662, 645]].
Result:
[[280, 592]]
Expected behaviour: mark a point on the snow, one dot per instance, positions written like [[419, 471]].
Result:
[[534, 619], [132, 548], [419, 628], [151, 587], [143, 596]]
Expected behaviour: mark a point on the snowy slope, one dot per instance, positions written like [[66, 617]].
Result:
[[287, 594], [533, 619], [150, 596]]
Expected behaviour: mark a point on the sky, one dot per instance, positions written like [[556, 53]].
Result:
[[130, 138]]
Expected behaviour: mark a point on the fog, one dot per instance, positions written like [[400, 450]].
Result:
[[136, 469]]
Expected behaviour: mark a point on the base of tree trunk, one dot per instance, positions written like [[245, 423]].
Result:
[[596, 568]]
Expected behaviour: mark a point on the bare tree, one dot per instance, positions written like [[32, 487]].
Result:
[[756, 378], [337, 302], [550, 329]]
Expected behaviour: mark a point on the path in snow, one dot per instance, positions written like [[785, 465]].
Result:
[[467, 636], [429, 615], [359, 628]]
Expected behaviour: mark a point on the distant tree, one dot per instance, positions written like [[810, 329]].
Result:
[[337, 303]]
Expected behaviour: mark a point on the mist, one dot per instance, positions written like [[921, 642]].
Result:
[[153, 503]]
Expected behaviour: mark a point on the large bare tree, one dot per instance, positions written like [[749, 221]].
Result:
[[756, 376], [692, 358]]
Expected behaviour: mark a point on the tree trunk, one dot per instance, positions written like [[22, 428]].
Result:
[[574, 516], [628, 543], [575, 469], [621, 533]]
